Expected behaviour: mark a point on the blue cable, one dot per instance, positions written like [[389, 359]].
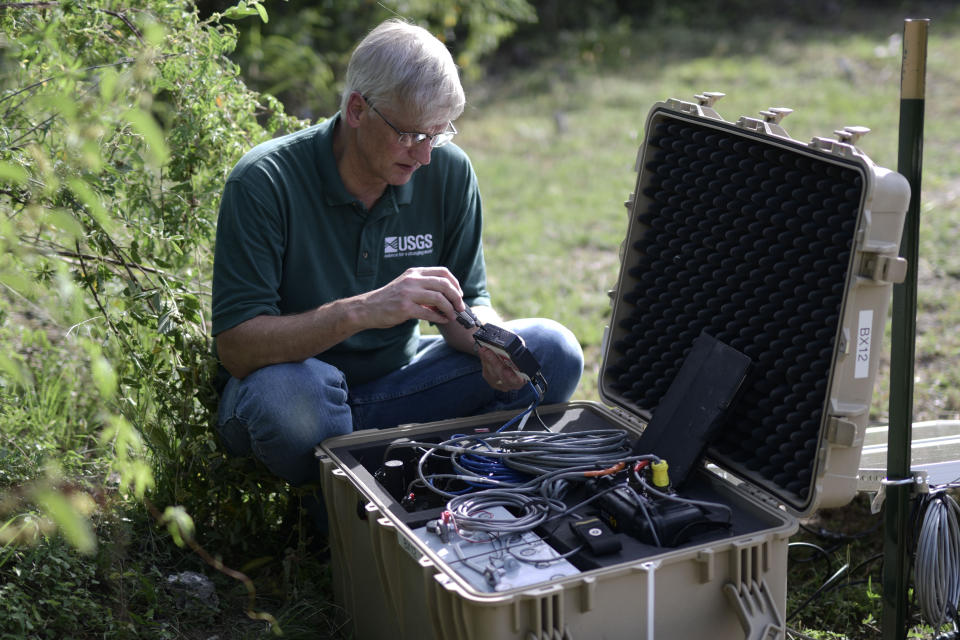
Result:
[[538, 396], [492, 468]]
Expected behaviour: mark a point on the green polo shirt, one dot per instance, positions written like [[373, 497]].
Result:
[[290, 238]]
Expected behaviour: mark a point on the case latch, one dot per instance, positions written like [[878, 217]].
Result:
[[770, 124], [841, 432], [883, 268], [837, 148], [703, 107]]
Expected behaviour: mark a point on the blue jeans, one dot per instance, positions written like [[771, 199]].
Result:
[[281, 412]]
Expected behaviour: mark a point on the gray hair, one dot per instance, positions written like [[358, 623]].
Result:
[[405, 67]]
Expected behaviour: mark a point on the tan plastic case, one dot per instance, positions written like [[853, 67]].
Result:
[[699, 256]]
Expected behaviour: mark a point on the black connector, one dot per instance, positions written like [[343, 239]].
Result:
[[467, 319], [505, 343]]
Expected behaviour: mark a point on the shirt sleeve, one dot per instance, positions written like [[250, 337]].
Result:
[[248, 256]]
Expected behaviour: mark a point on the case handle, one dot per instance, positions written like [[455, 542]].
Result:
[[754, 607]]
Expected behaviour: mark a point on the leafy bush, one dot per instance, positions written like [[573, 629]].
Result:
[[49, 595], [119, 124], [119, 128]]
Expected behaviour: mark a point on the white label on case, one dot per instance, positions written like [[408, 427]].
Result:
[[864, 336], [408, 546]]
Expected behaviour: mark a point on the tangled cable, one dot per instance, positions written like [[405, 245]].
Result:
[[937, 567], [530, 474], [522, 459]]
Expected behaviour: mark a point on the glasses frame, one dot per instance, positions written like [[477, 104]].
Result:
[[412, 138]]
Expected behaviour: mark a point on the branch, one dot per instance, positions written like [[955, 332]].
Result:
[[40, 125], [76, 255], [130, 25], [28, 5], [217, 564], [40, 83], [15, 196], [50, 5], [119, 263], [122, 338]]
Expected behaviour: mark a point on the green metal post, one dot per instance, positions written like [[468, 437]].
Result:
[[896, 559]]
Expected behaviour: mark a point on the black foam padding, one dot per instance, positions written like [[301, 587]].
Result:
[[750, 242], [696, 402]]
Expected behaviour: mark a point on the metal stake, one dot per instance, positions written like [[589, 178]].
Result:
[[896, 557]]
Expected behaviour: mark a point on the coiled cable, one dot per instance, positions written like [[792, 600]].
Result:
[[937, 564], [472, 512]]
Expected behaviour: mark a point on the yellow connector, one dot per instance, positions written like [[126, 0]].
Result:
[[661, 479]]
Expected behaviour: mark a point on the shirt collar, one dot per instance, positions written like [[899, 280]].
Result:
[[334, 191]]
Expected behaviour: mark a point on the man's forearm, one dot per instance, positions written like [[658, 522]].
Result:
[[266, 339], [424, 293]]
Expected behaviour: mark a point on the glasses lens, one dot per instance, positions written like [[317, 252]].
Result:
[[441, 139]]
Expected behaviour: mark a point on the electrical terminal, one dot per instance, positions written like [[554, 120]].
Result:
[[442, 527], [660, 476]]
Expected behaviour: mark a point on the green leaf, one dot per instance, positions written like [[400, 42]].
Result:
[[239, 12], [154, 33], [179, 524], [105, 377], [12, 173], [89, 198], [144, 124], [65, 221], [13, 370], [138, 474], [108, 83], [167, 322], [261, 11], [75, 528], [17, 281], [256, 563]]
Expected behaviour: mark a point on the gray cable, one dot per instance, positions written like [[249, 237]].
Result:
[[471, 511], [937, 565], [544, 455]]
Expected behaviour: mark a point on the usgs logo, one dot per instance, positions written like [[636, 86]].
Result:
[[414, 245]]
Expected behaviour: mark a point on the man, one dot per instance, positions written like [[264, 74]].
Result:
[[334, 242]]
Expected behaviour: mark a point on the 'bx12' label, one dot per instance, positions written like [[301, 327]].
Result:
[[864, 336]]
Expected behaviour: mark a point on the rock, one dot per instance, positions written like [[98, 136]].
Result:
[[191, 588]]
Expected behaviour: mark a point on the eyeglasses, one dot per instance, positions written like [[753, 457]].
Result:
[[410, 138]]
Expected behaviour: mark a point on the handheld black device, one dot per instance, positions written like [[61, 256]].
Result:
[[504, 343]]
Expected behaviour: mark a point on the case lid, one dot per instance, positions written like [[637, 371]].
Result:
[[782, 250]]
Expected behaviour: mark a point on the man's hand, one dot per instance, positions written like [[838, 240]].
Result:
[[426, 293], [498, 371]]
